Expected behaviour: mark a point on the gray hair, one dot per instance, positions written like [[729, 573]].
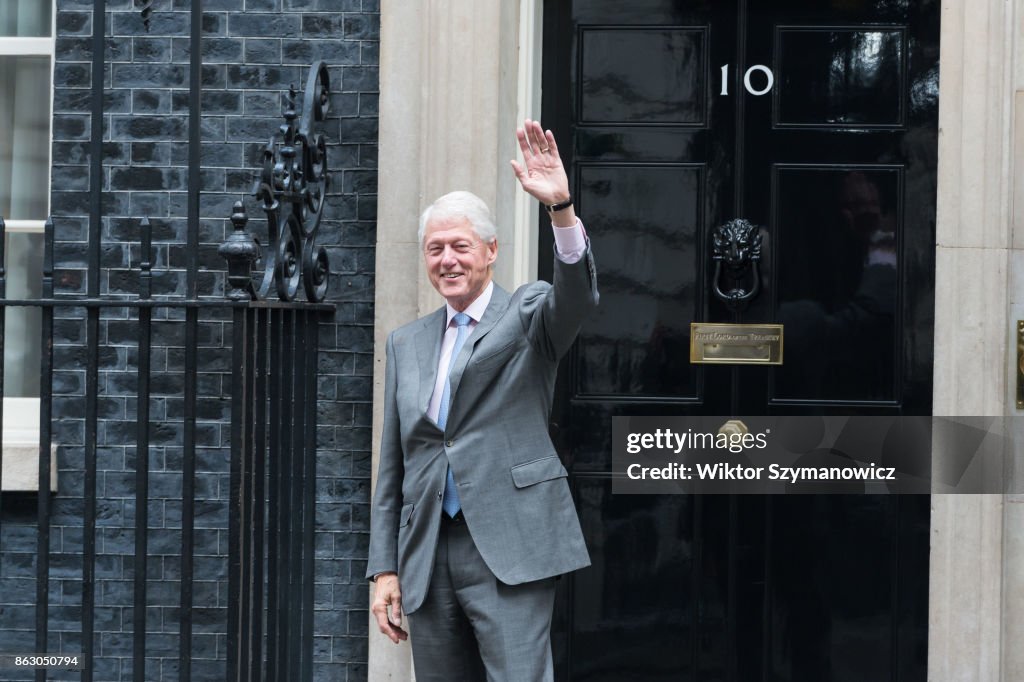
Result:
[[461, 204]]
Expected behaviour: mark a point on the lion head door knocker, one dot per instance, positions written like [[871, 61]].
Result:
[[736, 250]]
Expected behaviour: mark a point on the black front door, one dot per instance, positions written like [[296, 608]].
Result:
[[816, 121]]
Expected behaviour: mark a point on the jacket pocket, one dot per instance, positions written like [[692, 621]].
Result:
[[537, 471], [405, 515], [495, 358]]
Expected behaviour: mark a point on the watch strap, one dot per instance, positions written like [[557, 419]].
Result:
[[553, 208]]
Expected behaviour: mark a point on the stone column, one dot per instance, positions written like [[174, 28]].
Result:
[[975, 623]]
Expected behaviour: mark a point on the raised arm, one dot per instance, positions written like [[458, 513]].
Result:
[[555, 314]]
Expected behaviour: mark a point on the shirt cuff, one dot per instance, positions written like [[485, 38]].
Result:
[[570, 242]]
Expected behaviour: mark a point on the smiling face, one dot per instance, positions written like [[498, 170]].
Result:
[[458, 261]]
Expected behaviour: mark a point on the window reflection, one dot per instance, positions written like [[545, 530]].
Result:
[[924, 91], [25, 145], [642, 76], [840, 77], [837, 236], [25, 18], [24, 263]]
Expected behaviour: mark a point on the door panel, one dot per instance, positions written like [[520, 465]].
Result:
[[662, 81], [635, 344], [631, 631], [840, 78], [836, 165], [837, 281]]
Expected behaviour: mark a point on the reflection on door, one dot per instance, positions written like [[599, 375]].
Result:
[[816, 121]]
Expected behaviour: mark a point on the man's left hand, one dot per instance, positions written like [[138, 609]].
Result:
[[541, 174]]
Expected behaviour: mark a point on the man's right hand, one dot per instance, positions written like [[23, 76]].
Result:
[[387, 594]]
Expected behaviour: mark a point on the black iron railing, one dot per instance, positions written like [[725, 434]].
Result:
[[274, 345]]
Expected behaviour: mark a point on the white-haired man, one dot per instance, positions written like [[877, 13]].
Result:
[[472, 519]]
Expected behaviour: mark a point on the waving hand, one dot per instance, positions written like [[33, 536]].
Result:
[[541, 174]]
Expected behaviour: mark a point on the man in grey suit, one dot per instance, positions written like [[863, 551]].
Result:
[[472, 519]]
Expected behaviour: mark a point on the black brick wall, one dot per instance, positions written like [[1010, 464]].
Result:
[[252, 51]]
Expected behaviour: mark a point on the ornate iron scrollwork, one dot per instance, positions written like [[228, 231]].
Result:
[[736, 250], [145, 11], [292, 188]]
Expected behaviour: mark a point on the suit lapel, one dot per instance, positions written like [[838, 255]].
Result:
[[428, 354], [495, 309]]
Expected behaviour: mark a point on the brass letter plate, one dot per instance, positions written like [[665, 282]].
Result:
[[735, 344]]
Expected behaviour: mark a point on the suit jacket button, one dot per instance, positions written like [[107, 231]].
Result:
[[449, 442], [440, 494]]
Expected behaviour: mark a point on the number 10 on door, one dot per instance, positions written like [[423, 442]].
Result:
[[747, 81]]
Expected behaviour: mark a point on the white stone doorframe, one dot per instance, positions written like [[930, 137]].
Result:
[[456, 76], [976, 589]]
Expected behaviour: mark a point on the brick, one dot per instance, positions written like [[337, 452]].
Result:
[[70, 153], [359, 181], [262, 51], [210, 568], [334, 516], [261, 77], [323, 25], [362, 414], [222, 50], [214, 24], [151, 154], [150, 205], [15, 617], [262, 5], [306, 52], [323, 5], [213, 76], [221, 102], [360, 79], [70, 127], [74, 23], [355, 490], [151, 49], [361, 27], [149, 128], [331, 672], [162, 23], [166, 179], [73, 49], [356, 339], [256, 25], [66, 100], [369, 52], [146, 75]]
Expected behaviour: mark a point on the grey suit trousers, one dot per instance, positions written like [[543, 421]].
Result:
[[472, 627]]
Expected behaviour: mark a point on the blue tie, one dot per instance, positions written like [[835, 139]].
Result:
[[451, 505]]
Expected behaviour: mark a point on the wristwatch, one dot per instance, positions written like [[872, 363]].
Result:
[[554, 208]]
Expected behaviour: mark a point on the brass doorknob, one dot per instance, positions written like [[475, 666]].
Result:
[[733, 426]]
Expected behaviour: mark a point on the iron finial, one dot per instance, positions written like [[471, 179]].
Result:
[[240, 250]]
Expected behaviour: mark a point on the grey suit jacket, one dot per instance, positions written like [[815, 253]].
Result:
[[511, 483]]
